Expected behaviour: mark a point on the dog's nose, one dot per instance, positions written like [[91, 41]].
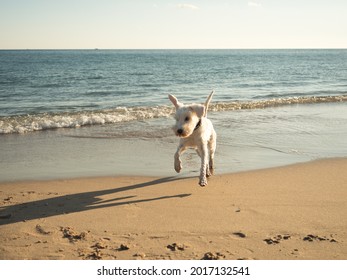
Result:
[[180, 131]]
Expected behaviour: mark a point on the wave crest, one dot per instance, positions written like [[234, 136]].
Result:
[[275, 102], [37, 122], [29, 123]]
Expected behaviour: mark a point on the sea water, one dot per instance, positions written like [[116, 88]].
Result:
[[106, 112]]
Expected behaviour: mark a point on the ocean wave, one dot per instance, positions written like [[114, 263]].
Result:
[[37, 122], [276, 102], [46, 121]]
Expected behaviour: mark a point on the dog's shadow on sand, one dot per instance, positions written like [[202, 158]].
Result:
[[73, 203]]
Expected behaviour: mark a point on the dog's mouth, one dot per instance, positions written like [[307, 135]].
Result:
[[182, 136], [181, 133]]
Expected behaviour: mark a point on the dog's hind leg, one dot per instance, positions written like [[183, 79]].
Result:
[[212, 148], [203, 152], [208, 171]]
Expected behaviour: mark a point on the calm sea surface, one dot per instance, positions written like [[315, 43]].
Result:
[[103, 112]]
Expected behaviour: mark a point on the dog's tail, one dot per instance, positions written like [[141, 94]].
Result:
[[207, 102]]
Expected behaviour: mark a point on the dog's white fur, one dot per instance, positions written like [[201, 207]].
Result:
[[201, 138]]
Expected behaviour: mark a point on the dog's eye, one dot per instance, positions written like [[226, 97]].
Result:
[[186, 119]]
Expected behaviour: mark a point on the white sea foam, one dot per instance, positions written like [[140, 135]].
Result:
[[29, 123], [37, 122]]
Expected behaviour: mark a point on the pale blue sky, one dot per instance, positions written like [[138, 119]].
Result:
[[135, 24]]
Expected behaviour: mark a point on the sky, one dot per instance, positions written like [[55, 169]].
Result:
[[171, 24]]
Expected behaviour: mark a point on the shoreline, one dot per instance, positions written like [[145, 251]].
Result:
[[184, 174], [247, 140], [290, 212]]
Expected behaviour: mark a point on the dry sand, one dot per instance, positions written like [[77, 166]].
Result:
[[293, 212]]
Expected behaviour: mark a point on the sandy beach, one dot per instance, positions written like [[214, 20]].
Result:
[[292, 212]]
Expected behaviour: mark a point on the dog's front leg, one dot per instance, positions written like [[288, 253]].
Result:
[[178, 163], [203, 152]]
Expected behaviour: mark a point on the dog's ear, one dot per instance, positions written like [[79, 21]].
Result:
[[198, 109], [174, 101]]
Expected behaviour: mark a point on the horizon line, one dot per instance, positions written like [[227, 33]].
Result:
[[150, 49]]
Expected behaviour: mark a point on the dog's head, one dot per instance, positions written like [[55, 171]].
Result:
[[187, 117]]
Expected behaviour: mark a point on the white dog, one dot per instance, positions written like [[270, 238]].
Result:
[[195, 131]]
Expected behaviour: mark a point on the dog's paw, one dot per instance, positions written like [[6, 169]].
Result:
[[203, 182], [178, 166], [209, 172]]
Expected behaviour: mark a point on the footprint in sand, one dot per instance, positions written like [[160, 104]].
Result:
[[311, 238], [277, 239], [123, 247], [70, 234], [213, 256], [176, 247], [41, 230]]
